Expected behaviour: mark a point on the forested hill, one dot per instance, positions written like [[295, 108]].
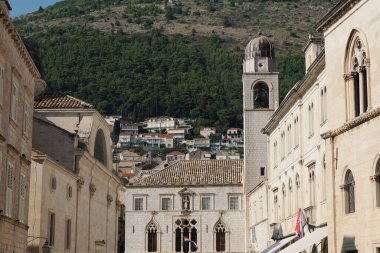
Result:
[[145, 58]]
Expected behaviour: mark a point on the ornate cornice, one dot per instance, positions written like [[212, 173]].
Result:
[[337, 12], [18, 43], [352, 123]]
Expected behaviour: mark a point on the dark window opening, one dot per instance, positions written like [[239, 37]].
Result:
[[262, 171], [261, 96], [357, 94]]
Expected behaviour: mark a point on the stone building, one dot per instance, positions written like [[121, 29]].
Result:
[[200, 199], [352, 33], [260, 99], [74, 201], [19, 79]]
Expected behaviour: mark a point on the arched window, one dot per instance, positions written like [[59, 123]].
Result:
[[312, 186], [323, 177], [220, 236], [296, 132], [349, 192], [283, 201], [185, 228], [283, 145], [377, 180], [298, 185], [275, 208], [100, 152], [151, 233], [261, 96], [357, 74], [275, 154], [289, 138], [290, 205]]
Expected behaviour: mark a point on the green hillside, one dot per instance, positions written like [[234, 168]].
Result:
[[147, 58]]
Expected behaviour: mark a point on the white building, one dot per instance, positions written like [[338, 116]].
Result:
[[207, 131], [201, 143], [178, 133], [225, 155], [161, 123], [199, 199], [158, 140]]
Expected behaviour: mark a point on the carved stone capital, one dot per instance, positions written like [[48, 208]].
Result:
[[109, 199], [92, 189], [80, 182]]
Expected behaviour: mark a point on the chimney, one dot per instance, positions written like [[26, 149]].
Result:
[[312, 49]]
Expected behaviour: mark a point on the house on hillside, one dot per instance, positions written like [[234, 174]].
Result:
[[157, 140], [226, 155], [201, 143], [207, 131], [178, 133], [175, 156], [129, 156], [160, 123]]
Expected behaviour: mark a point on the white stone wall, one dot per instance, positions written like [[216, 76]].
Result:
[[136, 221], [357, 148]]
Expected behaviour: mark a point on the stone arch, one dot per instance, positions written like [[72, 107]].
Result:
[[152, 232], [100, 147], [220, 235], [261, 95], [355, 34]]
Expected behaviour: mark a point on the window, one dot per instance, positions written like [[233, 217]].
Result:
[[377, 180], [139, 204], [14, 102], [323, 105], [312, 188], [166, 203], [261, 96], [9, 196], [21, 208], [2, 80], [296, 132], [220, 236], [297, 195], [311, 119], [185, 228], [275, 154], [206, 202], [275, 208], [282, 145], [25, 122], [283, 201], [68, 234], [349, 192], [152, 237], [324, 177], [234, 202], [262, 171], [356, 76], [100, 151], [289, 139], [290, 187], [51, 229]]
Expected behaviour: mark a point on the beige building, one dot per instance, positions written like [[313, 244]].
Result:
[[19, 78], [200, 199], [74, 201], [352, 49]]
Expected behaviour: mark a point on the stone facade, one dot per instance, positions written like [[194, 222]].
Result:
[[74, 149], [185, 190], [19, 78], [352, 32]]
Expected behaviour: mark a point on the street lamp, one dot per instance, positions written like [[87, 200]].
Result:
[[46, 247]]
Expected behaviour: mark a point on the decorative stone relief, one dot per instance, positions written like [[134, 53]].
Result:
[[92, 189], [109, 199], [80, 182]]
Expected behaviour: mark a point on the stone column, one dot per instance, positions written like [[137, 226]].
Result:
[[361, 90], [368, 66]]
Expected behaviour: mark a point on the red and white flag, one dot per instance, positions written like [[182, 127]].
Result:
[[301, 223]]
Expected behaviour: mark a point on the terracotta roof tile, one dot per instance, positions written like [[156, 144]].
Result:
[[58, 100], [196, 172]]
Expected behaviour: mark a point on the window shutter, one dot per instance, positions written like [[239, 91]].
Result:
[[1, 84], [21, 213], [25, 124], [9, 196]]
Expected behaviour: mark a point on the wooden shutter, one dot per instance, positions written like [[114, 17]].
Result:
[[9, 196], [21, 210]]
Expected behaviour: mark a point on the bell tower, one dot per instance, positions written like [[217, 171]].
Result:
[[260, 100]]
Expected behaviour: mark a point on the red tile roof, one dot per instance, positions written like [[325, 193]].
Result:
[[196, 172], [58, 100]]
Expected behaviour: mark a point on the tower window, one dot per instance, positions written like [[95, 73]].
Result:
[[261, 96]]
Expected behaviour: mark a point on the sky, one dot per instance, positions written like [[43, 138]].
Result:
[[20, 7]]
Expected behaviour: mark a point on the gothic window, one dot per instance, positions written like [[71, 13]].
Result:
[[185, 228], [290, 207], [283, 201], [289, 139], [311, 119], [275, 154], [100, 152], [261, 96], [312, 186], [297, 197], [357, 65], [296, 132], [282, 145], [349, 192], [377, 180], [220, 236], [275, 208], [151, 233]]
